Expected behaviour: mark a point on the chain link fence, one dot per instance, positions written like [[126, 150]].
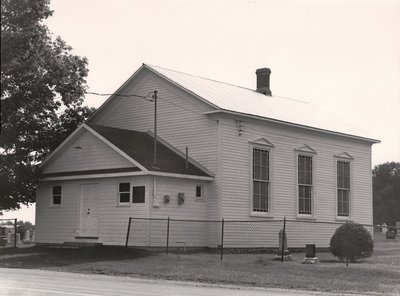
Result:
[[282, 238]]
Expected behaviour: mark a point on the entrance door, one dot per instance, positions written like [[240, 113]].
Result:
[[89, 213]]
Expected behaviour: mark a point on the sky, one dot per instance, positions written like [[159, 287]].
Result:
[[342, 56]]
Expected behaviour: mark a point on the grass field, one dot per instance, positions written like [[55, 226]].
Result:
[[379, 274]]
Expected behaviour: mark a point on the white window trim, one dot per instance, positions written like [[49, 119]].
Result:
[[349, 159], [52, 205], [124, 204], [203, 193], [268, 147], [312, 153]]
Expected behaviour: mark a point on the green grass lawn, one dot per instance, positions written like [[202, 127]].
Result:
[[238, 269]]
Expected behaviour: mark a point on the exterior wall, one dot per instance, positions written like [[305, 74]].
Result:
[[237, 164], [180, 123], [61, 224], [94, 155], [180, 233]]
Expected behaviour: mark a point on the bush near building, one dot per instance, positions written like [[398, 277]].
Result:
[[352, 241]]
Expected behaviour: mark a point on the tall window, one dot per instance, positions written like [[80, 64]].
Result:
[[343, 188], [124, 193], [199, 192], [261, 182], [305, 183], [56, 195]]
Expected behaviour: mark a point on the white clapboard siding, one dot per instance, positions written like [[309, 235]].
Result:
[[61, 224], [236, 166], [188, 233], [180, 123], [114, 218], [56, 224], [92, 154]]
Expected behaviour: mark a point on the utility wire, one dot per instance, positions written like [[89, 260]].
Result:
[[120, 95], [149, 100], [180, 106]]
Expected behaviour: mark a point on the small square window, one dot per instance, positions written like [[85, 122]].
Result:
[[56, 195], [138, 194]]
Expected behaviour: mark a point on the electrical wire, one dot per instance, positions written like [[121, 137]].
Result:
[[180, 106], [163, 99], [120, 95]]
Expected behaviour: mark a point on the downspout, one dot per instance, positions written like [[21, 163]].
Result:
[[155, 204]]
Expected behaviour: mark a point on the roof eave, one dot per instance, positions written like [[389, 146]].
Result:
[[59, 147], [127, 174], [370, 140], [182, 176]]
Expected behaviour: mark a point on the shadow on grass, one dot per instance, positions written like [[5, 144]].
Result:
[[41, 256]]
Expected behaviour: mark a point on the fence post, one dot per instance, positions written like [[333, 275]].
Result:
[[283, 237], [222, 238], [15, 233], [168, 234], [346, 247], [127, 234]]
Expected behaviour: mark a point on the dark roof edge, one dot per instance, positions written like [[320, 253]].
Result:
[[91, 172], [183, 155]]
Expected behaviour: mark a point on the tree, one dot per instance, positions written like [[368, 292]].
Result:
[[386, 193], [42, 90]]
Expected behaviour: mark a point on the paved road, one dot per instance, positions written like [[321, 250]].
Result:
[[31, 282]]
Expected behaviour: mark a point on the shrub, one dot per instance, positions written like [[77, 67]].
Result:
[[352, 241]]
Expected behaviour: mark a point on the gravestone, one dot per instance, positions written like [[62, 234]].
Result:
[[26, 237], [282, 248], [390, 234], [384, 228], [311, 257]]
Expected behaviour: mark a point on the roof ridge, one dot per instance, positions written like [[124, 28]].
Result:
[[201, 77], [222, 82], [291, 99]]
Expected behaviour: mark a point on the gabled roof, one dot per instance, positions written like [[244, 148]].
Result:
[[247, 102], [140, 147]]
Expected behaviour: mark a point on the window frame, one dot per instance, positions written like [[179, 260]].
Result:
[[348, 160], [144, 194], [52, 195], [309, 152], [127, 203], [202, 196], [267, 147]]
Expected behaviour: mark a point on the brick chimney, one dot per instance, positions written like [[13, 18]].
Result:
[[263, 81]]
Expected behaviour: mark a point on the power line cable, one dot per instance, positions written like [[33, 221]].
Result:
[[180, 106], [149, 100], [121, 95]]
